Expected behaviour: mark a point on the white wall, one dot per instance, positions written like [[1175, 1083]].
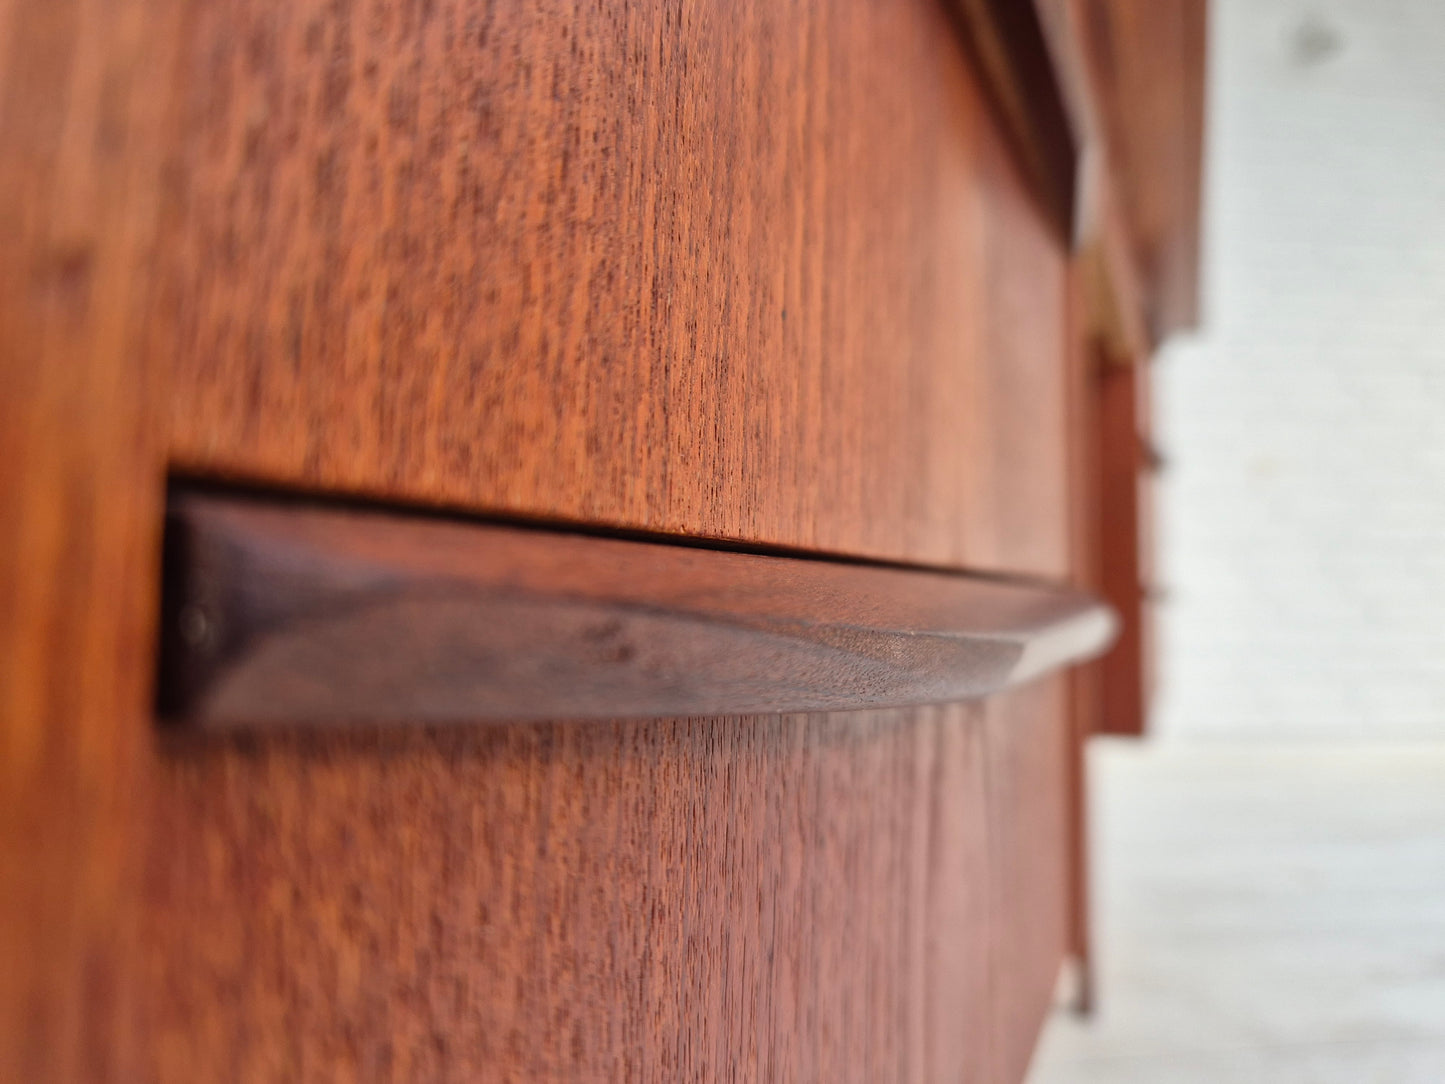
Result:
[[1302, 518]]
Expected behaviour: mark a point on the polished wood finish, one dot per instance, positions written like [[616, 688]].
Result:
[[1029, 744], [763, 271], [767, 273], [866, 896], [82, 121], [287, 613]]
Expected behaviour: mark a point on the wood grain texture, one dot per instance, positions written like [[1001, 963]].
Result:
[[303, 614], [1029, 744], [797, 898], [761, 271], [82, 93]]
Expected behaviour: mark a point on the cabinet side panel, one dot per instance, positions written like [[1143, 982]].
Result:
[[82, 123]]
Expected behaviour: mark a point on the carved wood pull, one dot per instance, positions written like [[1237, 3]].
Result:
[[281, 612]]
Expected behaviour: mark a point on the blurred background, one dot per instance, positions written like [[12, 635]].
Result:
[[1269, 894]]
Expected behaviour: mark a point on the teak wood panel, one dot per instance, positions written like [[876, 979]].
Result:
[[1029, 744], [762, 271], [845, 897], [278, 367], [83, 87]]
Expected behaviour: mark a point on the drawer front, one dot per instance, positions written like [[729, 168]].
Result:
[[760, 271], [857, 897]]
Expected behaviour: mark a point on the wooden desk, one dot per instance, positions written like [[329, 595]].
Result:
[[769, 282]]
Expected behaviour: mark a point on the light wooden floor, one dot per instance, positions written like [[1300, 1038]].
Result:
[[1264, 914]]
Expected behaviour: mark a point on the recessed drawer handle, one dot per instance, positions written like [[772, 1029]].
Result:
[[279, 612]]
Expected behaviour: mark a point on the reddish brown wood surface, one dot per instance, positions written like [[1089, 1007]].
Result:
[[306, 614], [761, 271], [82, 94], [1029, 743], [765, 272], [1009, 46], [1146, 64], [1082, 681], [1123, 673], [810, 898]]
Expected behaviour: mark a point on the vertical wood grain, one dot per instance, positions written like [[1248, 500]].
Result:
[[761, 271], [1028, 743], [82, 126], [796, 898]]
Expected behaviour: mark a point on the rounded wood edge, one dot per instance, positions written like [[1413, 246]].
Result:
[[294, 614]]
